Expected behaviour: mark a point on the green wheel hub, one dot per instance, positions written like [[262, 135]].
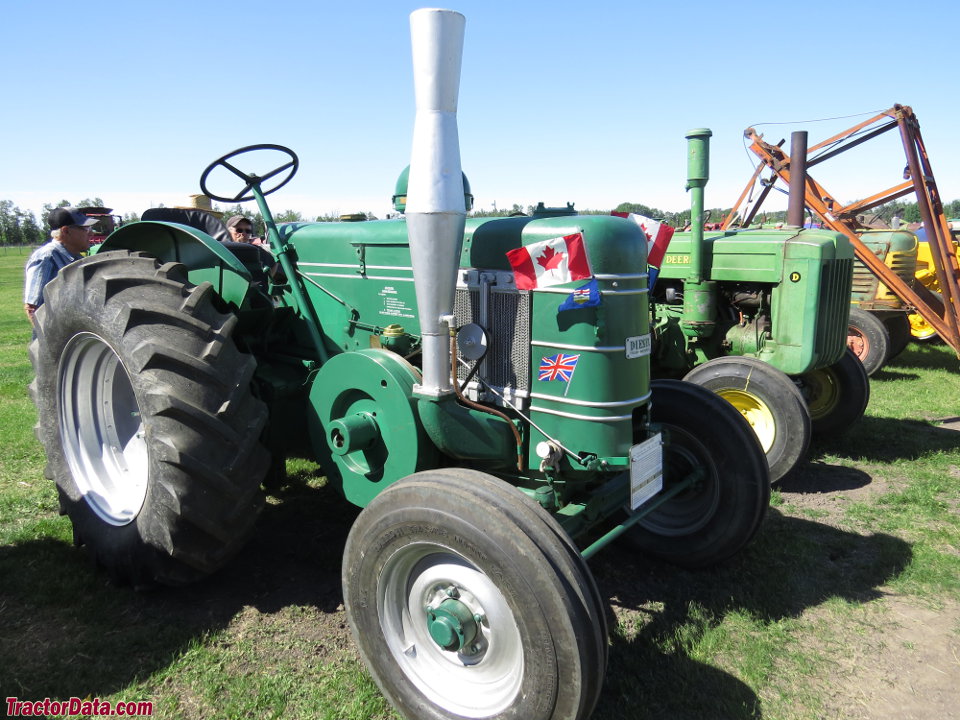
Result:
[[452, 625]]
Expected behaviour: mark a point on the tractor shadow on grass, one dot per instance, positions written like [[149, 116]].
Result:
[[792, 564], [888, 440], [919, 356], [68, 630], [820, 477]]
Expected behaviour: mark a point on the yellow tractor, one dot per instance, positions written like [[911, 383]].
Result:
[[920, 329]]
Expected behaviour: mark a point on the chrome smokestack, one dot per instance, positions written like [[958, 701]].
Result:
[[435, 203]]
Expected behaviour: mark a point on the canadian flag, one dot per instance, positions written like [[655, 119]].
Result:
[[550, 262], [658, 236]]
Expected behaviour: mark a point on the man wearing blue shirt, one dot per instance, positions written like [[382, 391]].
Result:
[[70, 236]]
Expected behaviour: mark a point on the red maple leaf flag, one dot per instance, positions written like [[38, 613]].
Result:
[[550, 262]]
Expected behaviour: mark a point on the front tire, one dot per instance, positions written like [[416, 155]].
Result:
[[836, 396], [868, 339], [769, 402], [146, 415], [467, 600], [708, 441]]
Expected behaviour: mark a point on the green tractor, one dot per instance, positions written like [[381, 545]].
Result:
[[492, 442], [760, 317], [879, 326]]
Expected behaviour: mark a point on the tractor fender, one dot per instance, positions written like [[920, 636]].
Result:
[[206, 259]]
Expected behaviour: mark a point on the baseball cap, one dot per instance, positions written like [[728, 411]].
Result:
[[236, 220], [64, 216]]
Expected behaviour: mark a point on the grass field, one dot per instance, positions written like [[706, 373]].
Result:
[[846, 605]]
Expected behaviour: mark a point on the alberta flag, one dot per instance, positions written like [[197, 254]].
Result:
[[558, 367], [658, 238], [550, 262], [585, 296]]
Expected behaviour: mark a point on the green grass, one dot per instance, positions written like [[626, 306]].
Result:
[[872, 519]]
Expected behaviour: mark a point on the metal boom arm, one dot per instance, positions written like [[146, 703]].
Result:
[[943, 317]]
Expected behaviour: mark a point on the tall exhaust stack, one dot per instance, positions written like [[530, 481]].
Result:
[[435, 210]]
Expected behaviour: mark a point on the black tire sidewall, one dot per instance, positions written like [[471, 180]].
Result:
[[851, 378], [775, 390], [898, 329], [873, 330], [727, 448]]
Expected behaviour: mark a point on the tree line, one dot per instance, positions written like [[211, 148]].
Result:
[[22, 227]]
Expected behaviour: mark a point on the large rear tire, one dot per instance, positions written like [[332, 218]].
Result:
[[146, 414], [836, 396], [467, 600], [769, 402], [706, 439], [868, 339]]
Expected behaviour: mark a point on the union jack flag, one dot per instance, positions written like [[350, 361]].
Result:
[[558, 367]]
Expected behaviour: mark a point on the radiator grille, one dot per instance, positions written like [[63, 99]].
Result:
[[864, 281], [506, 365], [834, 304]]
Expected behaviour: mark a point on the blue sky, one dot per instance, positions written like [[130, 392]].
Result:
[[583, 102]]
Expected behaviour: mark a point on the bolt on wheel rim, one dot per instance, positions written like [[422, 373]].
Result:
[[487, 672], [859, 343], [102, 430]]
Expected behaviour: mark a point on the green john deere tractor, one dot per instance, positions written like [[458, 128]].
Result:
[[760, 317], [493, 442]]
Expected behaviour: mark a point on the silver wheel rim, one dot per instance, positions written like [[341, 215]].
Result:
[[489, 673], [102, 430]]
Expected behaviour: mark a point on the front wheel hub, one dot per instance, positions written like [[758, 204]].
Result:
[[451, 625]]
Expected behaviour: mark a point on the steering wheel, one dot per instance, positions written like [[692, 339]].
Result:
[[292, 165]]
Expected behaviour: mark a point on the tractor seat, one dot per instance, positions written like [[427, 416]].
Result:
[[198, 219]]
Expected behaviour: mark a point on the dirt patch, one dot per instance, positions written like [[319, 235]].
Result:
[[825, 491], [896, 657], [902, 661]]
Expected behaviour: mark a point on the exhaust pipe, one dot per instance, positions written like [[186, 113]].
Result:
[[797, 199], [435, 211]]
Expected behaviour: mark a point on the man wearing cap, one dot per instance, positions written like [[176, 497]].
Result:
[[70, 236], [241, 231]]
